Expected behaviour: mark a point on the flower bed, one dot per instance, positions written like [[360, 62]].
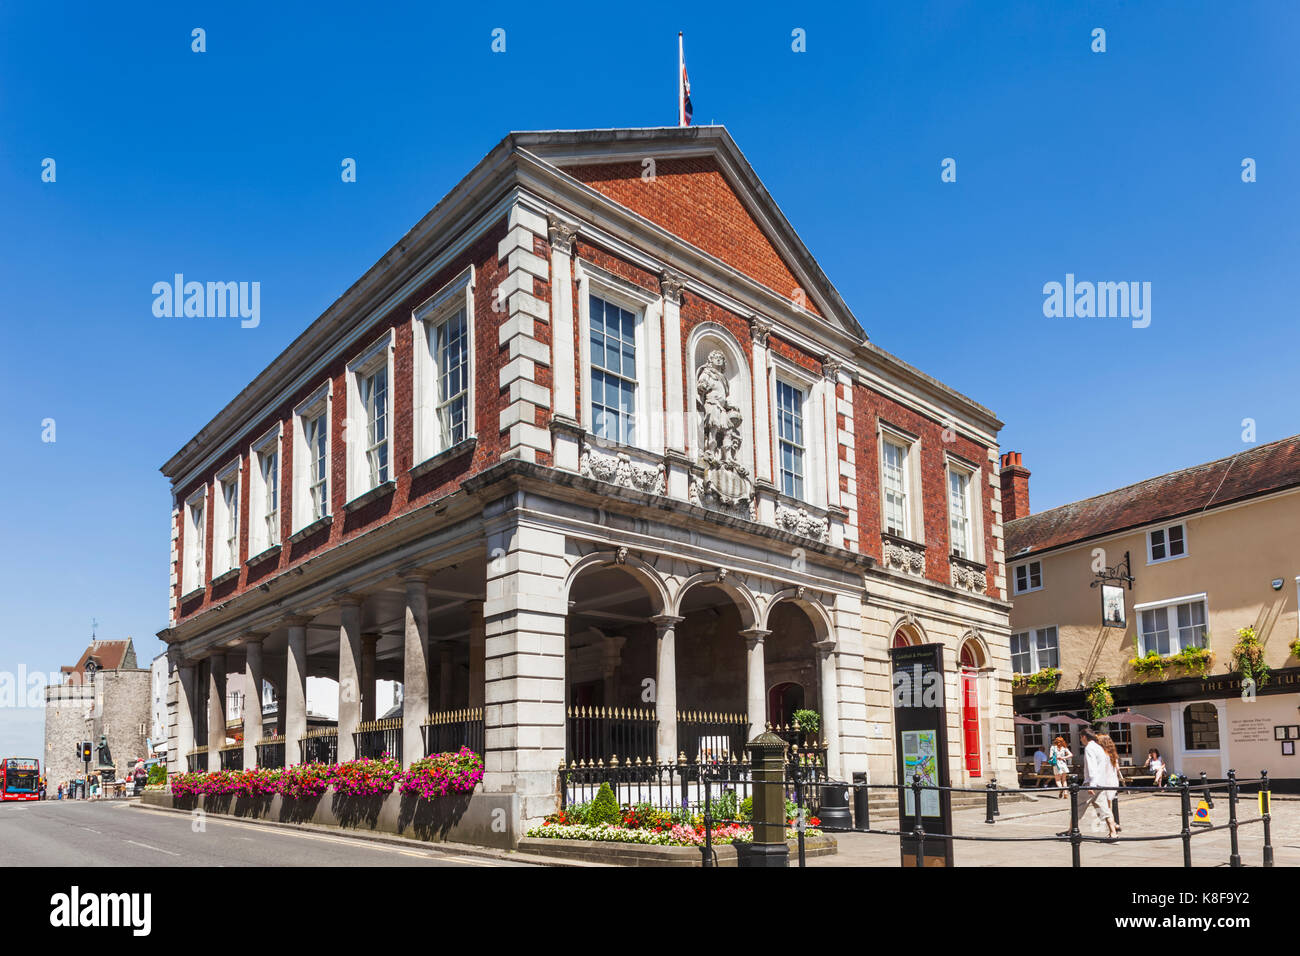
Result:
[[675, 835], [434, 776]]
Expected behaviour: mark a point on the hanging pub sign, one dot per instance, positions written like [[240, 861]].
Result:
[[921, 747], [1112, 606]]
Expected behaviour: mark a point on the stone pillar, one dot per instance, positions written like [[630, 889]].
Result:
[[254, 674], [415, 667], [293, 702], [828, 678], [759, 329], [446, 650], [666, 686], [830, 388], [755, 680], [368, 690], [349, 675], [565, 392], [186, 698], [216, 709], [670, 284], [477, 643], [526, 612]]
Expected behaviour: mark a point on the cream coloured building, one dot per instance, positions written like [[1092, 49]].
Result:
[[1211, 549]]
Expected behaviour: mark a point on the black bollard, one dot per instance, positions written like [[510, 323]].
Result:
[[918, 830], [861, 803], [996, 811], [990, 799], [1186, 795], [1234, 858], [1264, 787], [708, 822], [1205, 790], [1076, 838], [799, 811]]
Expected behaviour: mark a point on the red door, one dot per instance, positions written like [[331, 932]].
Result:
[[970, 721]]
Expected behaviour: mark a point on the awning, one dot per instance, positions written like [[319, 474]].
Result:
[[1128, 717], [1026, 722]]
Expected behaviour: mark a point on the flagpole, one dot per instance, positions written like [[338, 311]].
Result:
[[681, 87]]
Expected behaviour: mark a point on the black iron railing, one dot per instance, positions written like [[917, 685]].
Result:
[[320, 745], [711, 736], [600, 733], [379, 738], [448, 730], [232, 757], [197, 759], [270, 752]]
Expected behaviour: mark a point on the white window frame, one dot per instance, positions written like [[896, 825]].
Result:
[[1171, 620], [262, 537], [814, 426], [427, 439], [319, 403], [802, 446], [224, 557], [910, 444], [1165, 529], [974, 501], [194, 556], [356, 428], [592, 280], [1026, 567], [1031, 635]]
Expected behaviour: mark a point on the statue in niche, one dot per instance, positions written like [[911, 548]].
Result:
[[721, 418]]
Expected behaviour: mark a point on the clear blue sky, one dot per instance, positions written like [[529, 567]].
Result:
[[225, 165]]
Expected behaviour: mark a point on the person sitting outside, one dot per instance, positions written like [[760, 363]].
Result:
[[1155, 765]]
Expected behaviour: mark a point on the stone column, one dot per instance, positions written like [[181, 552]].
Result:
[[216, 709], [755, 680], [666, 686], [415, 667], [368, 691], [477, 642], [564, 390], [349, 675], [828, 678], [254, 674], [830, 388], [186, 698], [526, 612], [293, 702], [759, 329], [446, 650]]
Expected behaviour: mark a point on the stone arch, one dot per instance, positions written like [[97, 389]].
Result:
[[704, 338], [973, 648], [741, 595], [644, 573], [909, 627], [820, 618]]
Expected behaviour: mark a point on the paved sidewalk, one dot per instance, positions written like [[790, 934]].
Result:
[[1147, 815]]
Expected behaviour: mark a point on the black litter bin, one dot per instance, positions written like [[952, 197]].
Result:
[[861, 802], [834, 812]]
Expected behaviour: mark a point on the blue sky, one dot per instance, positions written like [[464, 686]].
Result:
[[1115, 166]]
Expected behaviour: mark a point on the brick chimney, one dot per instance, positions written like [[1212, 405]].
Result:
[[1015, 487]]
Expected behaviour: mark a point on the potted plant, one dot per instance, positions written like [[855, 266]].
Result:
[[1248, 657], [809, 723]]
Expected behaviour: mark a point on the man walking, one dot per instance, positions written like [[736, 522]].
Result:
[[1096, 774]]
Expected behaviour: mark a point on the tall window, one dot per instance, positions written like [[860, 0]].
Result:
[[959, 512], [374, 401], [1031, 739], [613, 371], [1029, 577], [895, 486], [317, 463], [1170, 628], [226, 521], [789, 426], [1167, 543], [1031, 651], [195, 545], [269, 462], [450, 346], [1201, 726]]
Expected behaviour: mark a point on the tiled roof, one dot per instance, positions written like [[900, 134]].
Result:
[[1247, 474], [109, 655]]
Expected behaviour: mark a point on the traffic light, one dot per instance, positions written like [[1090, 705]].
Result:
[[85, 750]]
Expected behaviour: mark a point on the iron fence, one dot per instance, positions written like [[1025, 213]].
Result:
[[197, 759], [706, 736], [447, 731], [270, 752], [232, 757], [379, 738], [600, 733], [319, 746]]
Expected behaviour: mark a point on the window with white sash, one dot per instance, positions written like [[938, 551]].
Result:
[[368, 429], [790, 437], [311, 459], [613, 391], [1165, 544], [1170, 626], [1033, 650], [894, 475], [194, 555], [264, 495], [1029, 577], [960, 520], [444, 376], [225, 520]]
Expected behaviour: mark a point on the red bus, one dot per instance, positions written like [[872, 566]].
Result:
[[20, 778]]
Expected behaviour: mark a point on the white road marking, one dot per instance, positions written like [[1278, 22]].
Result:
[[154, 848], [92, 830]]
